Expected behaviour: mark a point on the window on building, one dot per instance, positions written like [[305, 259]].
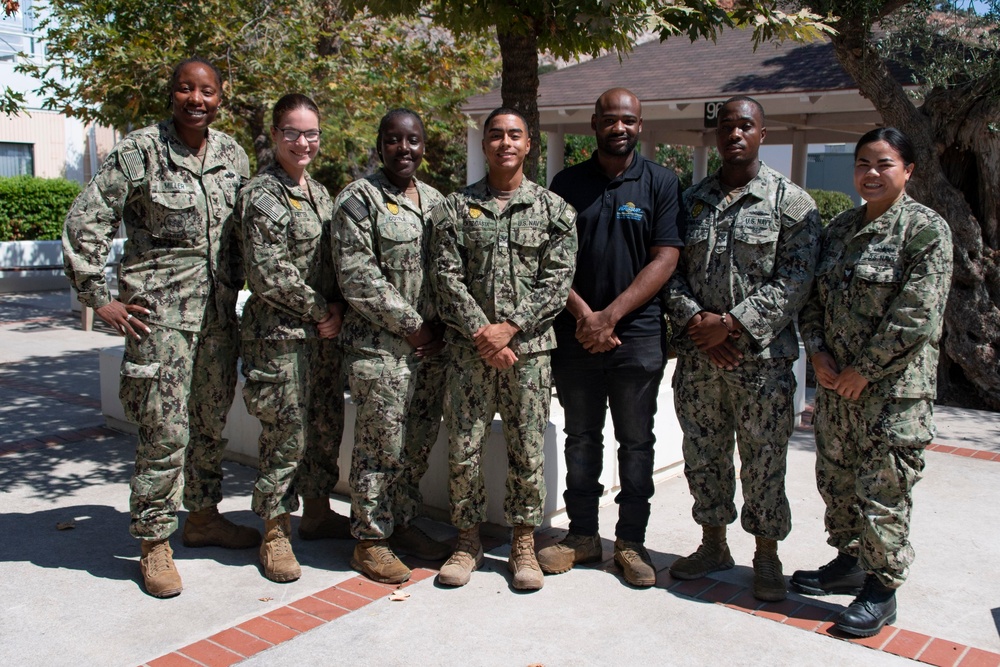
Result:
[[17, 159], [17, 33]]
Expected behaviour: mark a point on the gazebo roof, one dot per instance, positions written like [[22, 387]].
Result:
[[801, 85]]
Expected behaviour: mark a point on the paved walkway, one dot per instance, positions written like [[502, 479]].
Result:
[[71, 594]]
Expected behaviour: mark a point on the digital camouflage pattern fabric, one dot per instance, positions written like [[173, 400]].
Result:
[[878, 306], [491, 266], [182, 249], [382, 253], [182, 262], [752, 254], [294, 382]]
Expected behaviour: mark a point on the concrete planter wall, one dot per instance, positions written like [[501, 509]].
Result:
[[242, 432], [31, 266]]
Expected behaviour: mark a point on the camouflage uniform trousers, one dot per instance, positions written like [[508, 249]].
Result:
[[178, 386], [522, 395], [295, 388], [398, 403], [870, 453], [756, 402]]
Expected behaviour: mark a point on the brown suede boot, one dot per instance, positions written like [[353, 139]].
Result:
[[522, 561], [713, 555], [636, 565], [571, 550], [768, 580], [208, 528], [464, 560], [159, 574], [276, 554], [375, 560], [319, 522]]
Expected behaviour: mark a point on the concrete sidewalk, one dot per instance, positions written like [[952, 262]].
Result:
[[73, 596]]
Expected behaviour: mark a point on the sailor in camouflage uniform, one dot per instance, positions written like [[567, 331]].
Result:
[[872, 328], [505, 254], [394, 344], [747, 266], [172, 186], [291, 360]]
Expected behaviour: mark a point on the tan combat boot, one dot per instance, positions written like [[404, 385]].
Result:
[[636, 565], [412, 541], [375, 560], [464, 560], [319, 522], [713, 555], [208, 528], [276, 554], [571, 550], [522, 561], [159, 574], [768, 580]]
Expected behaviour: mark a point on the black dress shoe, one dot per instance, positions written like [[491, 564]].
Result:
[[841, 576], [870, 611]]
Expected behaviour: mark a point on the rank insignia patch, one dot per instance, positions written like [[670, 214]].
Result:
[[393, 207]]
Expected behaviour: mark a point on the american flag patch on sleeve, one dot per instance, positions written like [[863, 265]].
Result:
[[355, 208], [797, 206], [132, 162], [269, 206]]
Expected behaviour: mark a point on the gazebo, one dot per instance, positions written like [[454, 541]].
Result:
[[807, 95]]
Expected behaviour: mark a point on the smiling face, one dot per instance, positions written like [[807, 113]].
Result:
[[506, 143], [195, 99], [740, 133], [295, 156], [401, 149], [880, 175], [617, 122]]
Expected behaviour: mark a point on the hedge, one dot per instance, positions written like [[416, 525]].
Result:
[[34, 209], [830, 204]]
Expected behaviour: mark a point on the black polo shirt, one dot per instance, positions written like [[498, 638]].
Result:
[[617, 222]]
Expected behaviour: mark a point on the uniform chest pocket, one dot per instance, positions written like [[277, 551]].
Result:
[[476, 247], [526, 243], [755, 246], [400, 245], [697, 232], [873, 288], [173, 215], [304, 240]]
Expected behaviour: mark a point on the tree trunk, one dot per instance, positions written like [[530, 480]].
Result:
[[519, 87], [958, 166]]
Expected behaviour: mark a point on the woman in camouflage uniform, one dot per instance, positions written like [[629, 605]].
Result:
[[172, 186], [393, 340], [291, 362], [871, 329]]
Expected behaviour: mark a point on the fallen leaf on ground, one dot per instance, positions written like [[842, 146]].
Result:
[[66, 525], [265, 599], [399, 596]]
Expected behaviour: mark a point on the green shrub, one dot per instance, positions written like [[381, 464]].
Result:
[[830, 204], [34, 209]]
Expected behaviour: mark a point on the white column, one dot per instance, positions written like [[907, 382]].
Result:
[[700, 167], [647, 146], [800, 158], [475, 161], [555, 156]]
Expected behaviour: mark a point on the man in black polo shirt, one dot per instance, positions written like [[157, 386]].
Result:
[[611, 347]]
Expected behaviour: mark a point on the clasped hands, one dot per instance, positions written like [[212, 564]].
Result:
[[848, 383], [711, 335], [428, 340], [492, 342], [329, 326]]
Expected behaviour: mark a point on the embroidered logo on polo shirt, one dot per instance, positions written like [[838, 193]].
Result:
[[630, 211]]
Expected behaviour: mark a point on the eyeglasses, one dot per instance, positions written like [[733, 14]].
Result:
[[292, 135]]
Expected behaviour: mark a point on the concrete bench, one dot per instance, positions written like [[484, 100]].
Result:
[[242, 432]]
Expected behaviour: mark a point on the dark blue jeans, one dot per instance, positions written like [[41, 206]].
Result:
[[626, 379]]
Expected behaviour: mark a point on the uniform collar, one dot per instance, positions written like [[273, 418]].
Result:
[[712, 192], [390, 191], [884, 222], [275, 169], [525, 194], [182, 155]]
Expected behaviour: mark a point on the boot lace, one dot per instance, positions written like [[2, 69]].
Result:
[[158, 560], [524, 552], [636, 552]]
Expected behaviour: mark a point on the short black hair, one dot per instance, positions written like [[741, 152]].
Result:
[[201, 61], [747, 98], [504, 111], [291, 102], [895, 138]]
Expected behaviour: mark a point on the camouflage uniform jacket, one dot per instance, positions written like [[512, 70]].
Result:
[[515, 266], [182, 248], [753, 257], [381, 244], [286, 248], [879, 299]]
